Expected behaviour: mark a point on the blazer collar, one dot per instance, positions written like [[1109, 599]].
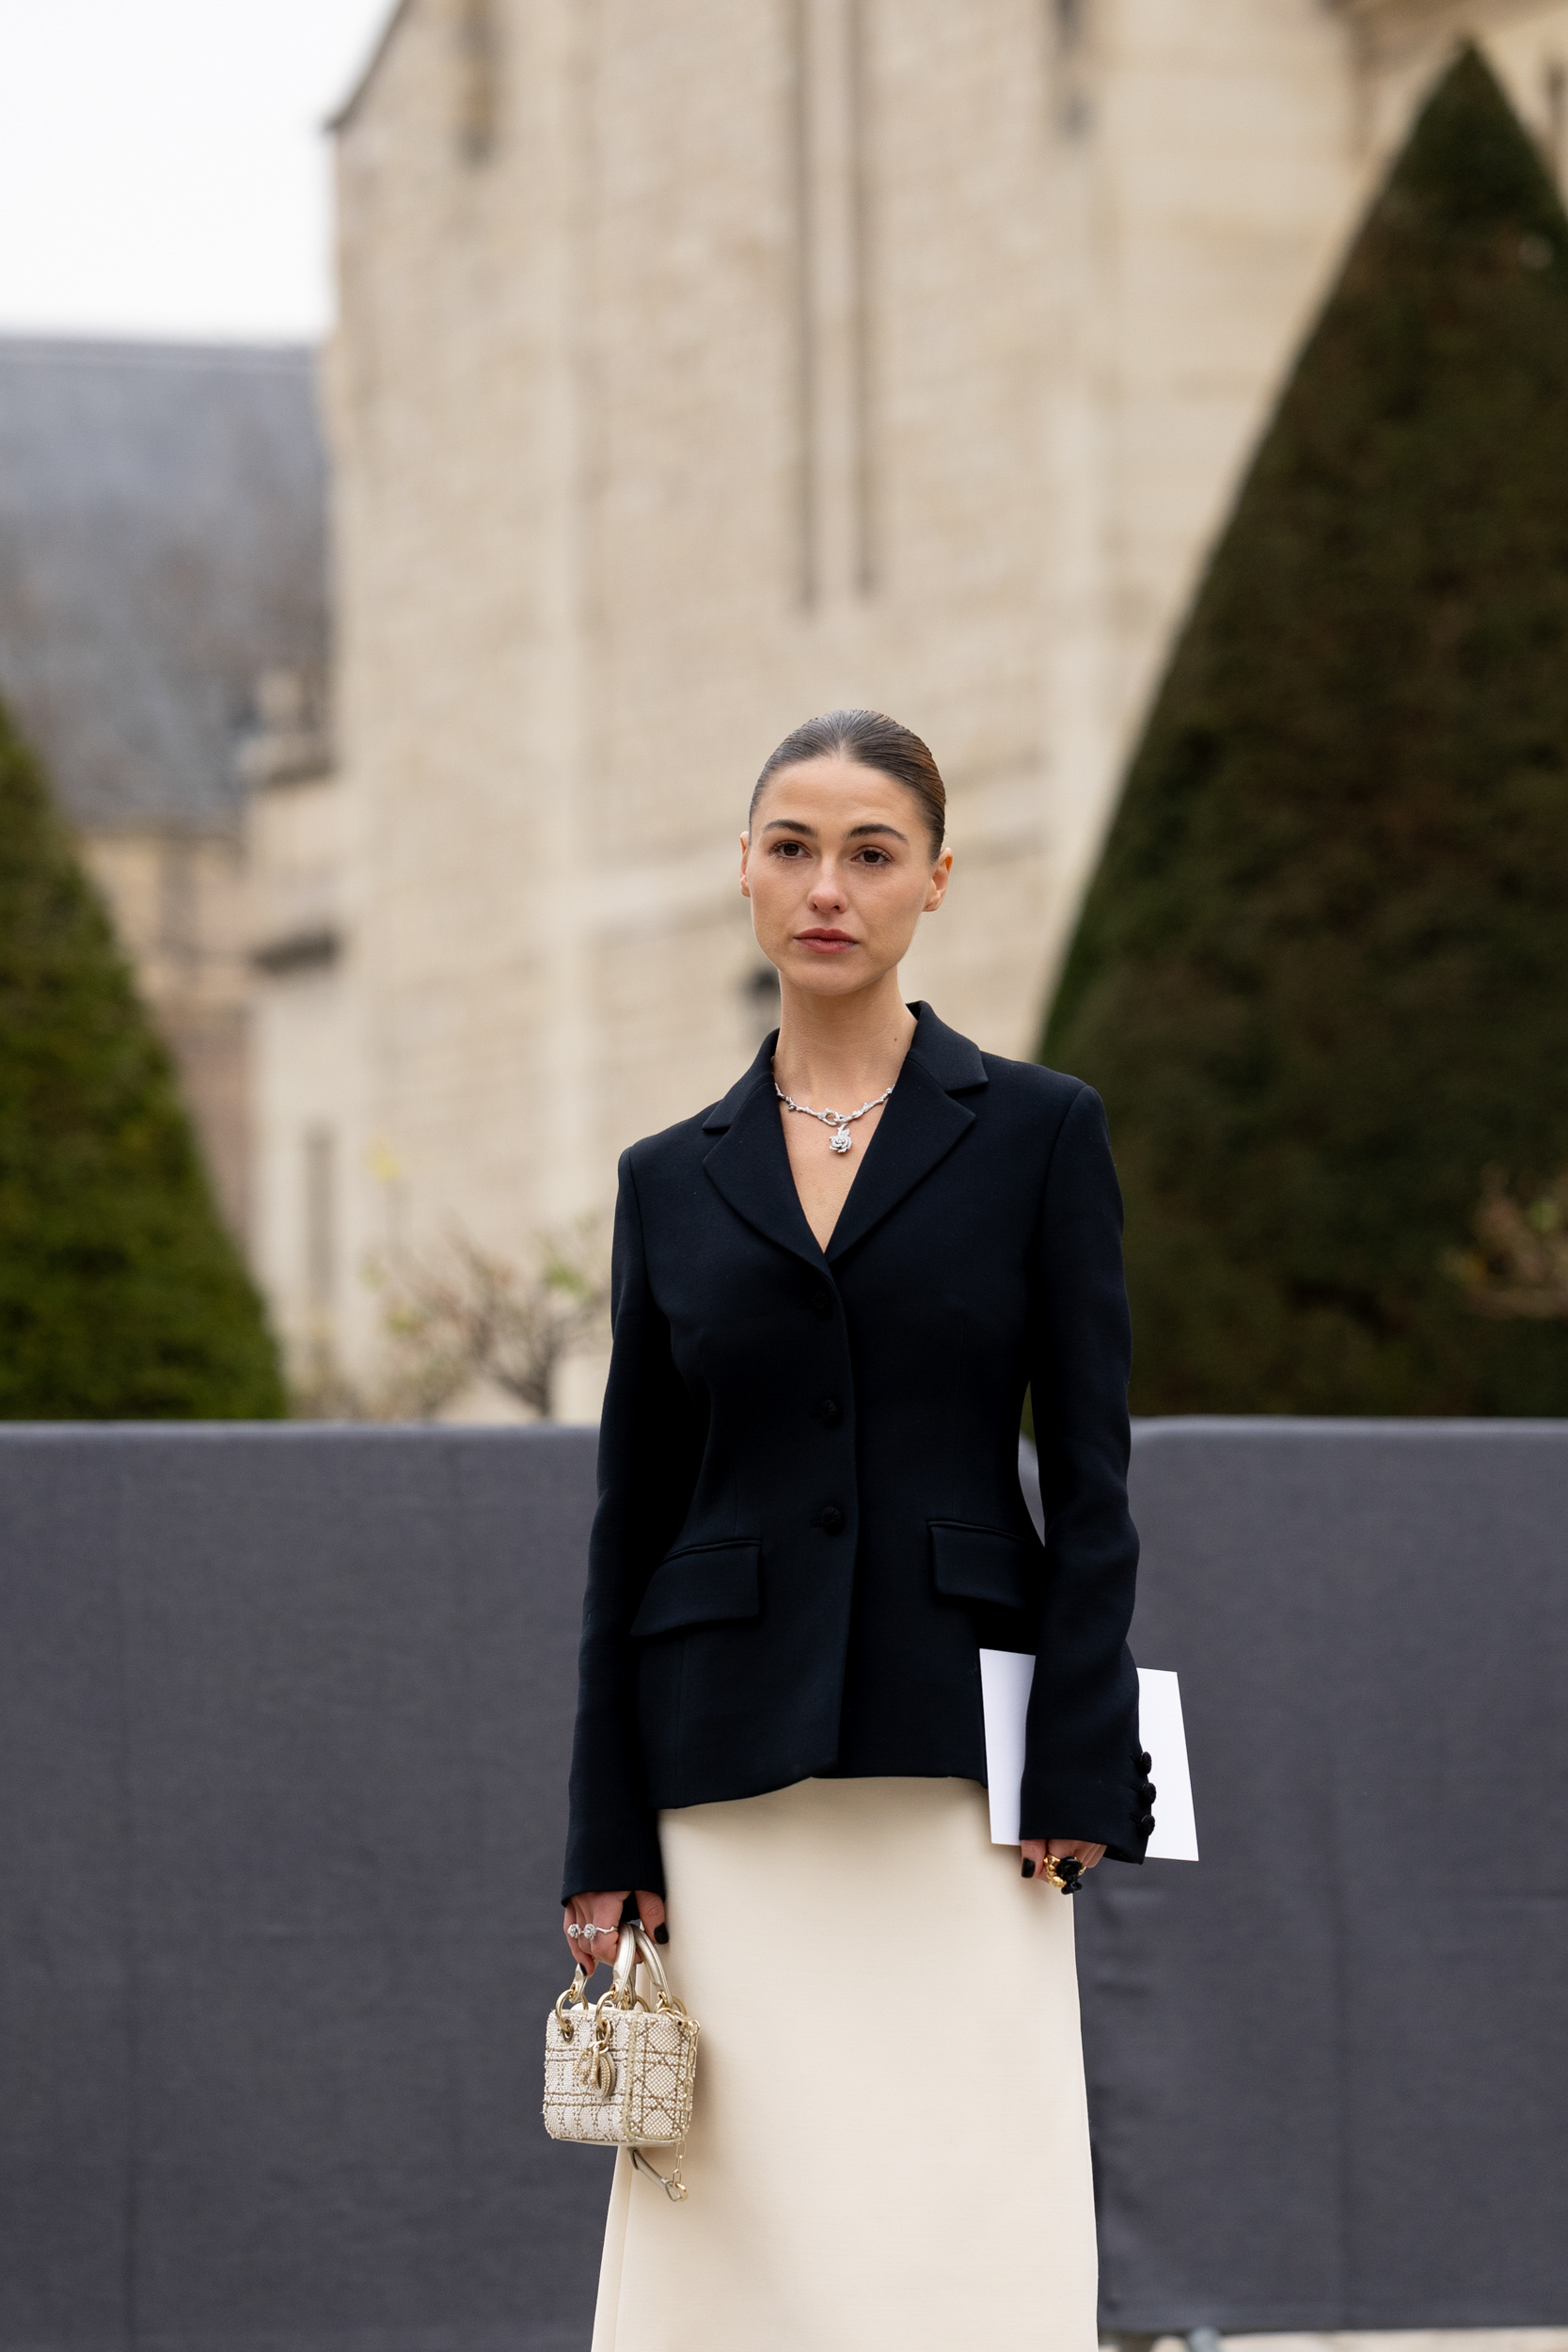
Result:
[[749, 1166]]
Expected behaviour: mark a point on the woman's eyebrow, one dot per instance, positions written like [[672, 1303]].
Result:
[[794, 824]]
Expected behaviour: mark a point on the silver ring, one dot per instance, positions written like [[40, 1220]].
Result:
[[591, 1929]]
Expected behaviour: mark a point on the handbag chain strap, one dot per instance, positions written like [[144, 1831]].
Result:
[[671, 2183], [638, 1946]]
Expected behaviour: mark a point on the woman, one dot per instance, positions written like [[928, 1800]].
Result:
[[833, 1290]]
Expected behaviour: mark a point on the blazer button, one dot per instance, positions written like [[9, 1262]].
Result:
[[829, 1412], [823, 1301], [831, 1519], [1146, 1762], [1146, 1822]]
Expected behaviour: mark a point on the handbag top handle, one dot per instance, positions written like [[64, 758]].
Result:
[[637, 1946]]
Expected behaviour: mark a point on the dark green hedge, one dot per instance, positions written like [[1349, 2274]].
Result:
[[120, 1297], [1322, 976]]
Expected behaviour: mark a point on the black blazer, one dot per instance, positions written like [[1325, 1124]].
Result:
[[810, 1521]]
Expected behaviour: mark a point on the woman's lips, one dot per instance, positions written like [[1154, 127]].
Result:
[[824, 942]]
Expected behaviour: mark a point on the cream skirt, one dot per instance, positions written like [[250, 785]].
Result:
[[894, 2152]]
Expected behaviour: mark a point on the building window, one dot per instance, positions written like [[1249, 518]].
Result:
[[830, 163], [802, 193], [857, 109], [1069, 25], [760, 994], [177, 931], [321, 1271], [1070, 21], [478, 61]]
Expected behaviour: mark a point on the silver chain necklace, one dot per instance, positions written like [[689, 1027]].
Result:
[[841, 1139]]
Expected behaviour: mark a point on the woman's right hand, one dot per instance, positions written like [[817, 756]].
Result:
[[603, 1912]]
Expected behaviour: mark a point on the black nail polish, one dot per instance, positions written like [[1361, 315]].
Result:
[[661, 1933], [1028, 1869]]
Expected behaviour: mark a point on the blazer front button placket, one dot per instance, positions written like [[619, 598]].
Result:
[[832, 1519]]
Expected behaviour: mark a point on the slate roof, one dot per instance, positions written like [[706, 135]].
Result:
[[162, 543]]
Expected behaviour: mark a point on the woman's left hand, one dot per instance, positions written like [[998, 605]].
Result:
[[602, 1912], [1035, 1849]]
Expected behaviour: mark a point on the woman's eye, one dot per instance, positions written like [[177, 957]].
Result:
[[874, 857]]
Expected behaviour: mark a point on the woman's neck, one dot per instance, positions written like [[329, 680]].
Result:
[[832, 1047]]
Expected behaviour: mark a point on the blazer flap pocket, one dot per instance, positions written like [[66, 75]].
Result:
[[708, 1584], [980, 1563]]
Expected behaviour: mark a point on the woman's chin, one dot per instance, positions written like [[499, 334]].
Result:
[[819, 972]]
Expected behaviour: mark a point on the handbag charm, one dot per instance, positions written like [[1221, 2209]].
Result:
[[619, 2072]]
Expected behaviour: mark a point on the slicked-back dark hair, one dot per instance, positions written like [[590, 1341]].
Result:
[[874, 741]]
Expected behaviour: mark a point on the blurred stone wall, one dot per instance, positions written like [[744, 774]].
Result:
[[699, 367]]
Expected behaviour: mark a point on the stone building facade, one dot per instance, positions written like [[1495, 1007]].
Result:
[[705, 363]]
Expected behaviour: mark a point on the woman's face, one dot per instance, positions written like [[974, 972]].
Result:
[[839, 871]]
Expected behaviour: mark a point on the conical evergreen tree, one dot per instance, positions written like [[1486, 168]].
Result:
[[1322, 976], [120, 1297]]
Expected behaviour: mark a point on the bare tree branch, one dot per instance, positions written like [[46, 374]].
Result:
[[467, 1317], [1518, 1268]]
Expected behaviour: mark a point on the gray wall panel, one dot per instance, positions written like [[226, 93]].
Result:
[[289, 1727], [1329, 2064], [66, 2022], [284, 1717]]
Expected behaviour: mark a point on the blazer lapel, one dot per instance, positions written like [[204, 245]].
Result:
[[919, 1127], [750, 1164]]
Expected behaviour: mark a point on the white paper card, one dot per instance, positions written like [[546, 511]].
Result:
[[1160, 1729], [1006, 1676], [1006, 1679]]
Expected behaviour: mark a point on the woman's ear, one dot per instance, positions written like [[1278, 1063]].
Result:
[[940, 873], [745, 853]]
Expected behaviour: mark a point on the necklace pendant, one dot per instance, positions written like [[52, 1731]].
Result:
[[842, 1140]]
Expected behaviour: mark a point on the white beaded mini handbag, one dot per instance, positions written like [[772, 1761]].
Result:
[[619, 2070]]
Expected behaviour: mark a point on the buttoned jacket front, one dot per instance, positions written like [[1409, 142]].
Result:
[[810, 1518]]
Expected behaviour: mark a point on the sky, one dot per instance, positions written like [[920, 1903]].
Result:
[[163, 169]]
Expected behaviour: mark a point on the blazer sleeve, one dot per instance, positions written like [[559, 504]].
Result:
[[649, 1450], [1082, 1775]]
